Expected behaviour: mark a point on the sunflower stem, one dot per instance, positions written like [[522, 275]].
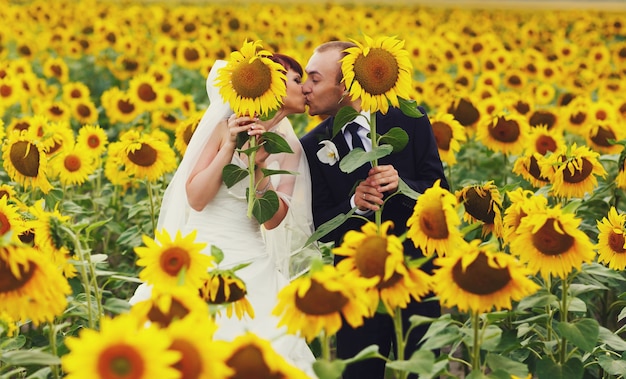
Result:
[[325, 342], [151, 200], [85, 260], [52, 337], [374, 137], [400, 340], [251, 169], [563, 347], [476, 345]]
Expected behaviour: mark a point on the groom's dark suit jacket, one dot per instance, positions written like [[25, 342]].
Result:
[[418, 164]]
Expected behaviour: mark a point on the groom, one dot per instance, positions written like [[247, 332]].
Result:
[[335, 192]]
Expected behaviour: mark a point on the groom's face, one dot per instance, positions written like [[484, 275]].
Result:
[[323, 92]]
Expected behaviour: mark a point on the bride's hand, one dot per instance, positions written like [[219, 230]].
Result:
[[258, 130], [237, 125]]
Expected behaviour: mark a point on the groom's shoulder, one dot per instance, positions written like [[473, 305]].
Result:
[[318, 133]]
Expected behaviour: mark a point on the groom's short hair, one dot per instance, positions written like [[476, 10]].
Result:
[[340, 46]]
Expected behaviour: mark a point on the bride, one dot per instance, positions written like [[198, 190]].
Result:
[[197, 199]]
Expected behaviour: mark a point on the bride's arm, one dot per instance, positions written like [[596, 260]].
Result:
[[206, 176]]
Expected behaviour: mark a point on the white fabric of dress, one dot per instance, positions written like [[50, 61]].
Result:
[[274, 256]]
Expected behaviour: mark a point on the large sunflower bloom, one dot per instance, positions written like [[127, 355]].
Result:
[[25, 160], [145, 156], [10, 218], [433, 226], [31, 287], [523, 203], [250, 356], [572, 170], [200, 357], [611, 245], [73, 166], [371, 254], [506, 133], [550, 242], [479, 279], [528, 166], [449, 134], [93, 138], [483, 203], [601, 133], [251, 82], [225, 290], [120, 349], [320, 300], [171, 262], [378, 73], [168, 304]]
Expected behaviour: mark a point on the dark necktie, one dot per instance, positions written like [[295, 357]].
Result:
[[356, 139]]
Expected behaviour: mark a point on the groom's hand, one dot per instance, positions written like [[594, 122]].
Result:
[[383, 178], [367, 198]]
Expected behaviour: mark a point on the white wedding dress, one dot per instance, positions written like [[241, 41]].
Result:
[[274, 256]]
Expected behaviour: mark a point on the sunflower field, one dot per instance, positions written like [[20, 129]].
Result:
[[98, 100]]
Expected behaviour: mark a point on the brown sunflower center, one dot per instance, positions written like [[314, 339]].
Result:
[[5, 226], [479, 206], [603, 136], [190, 364], [9, 282], [176, 312], [479, 277], [544, 143], [191, 55], [251, 80], [395, 278], [504, 130], [174, 259], [120, 362], [433, 222], [248, 363], [371, 256], [93, 141], [72, 163], [125, 106], [319, 301], [443, 135], [25, 158], [521, 107], [535, 171], [465, 112], [578, 174], [237, 291], [83, 110], [549, 241], [577, 119], [146, 93], [542, 118], [377, 72], [145, 156], [616, 242]]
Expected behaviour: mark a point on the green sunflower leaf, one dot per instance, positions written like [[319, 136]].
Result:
[[358, 157], [582, 333], [548, 369], [344, 116], [275, 143], [269, 172], [421, 362], [329, 226], [265, 207], [395, 137], [325, 369], [232, 174], [409, 108]]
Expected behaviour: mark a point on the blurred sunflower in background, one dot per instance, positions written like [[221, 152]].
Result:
[[224, 290], [449, 135], [169, 304], [145, 157], [25, 160], [483, 204]]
